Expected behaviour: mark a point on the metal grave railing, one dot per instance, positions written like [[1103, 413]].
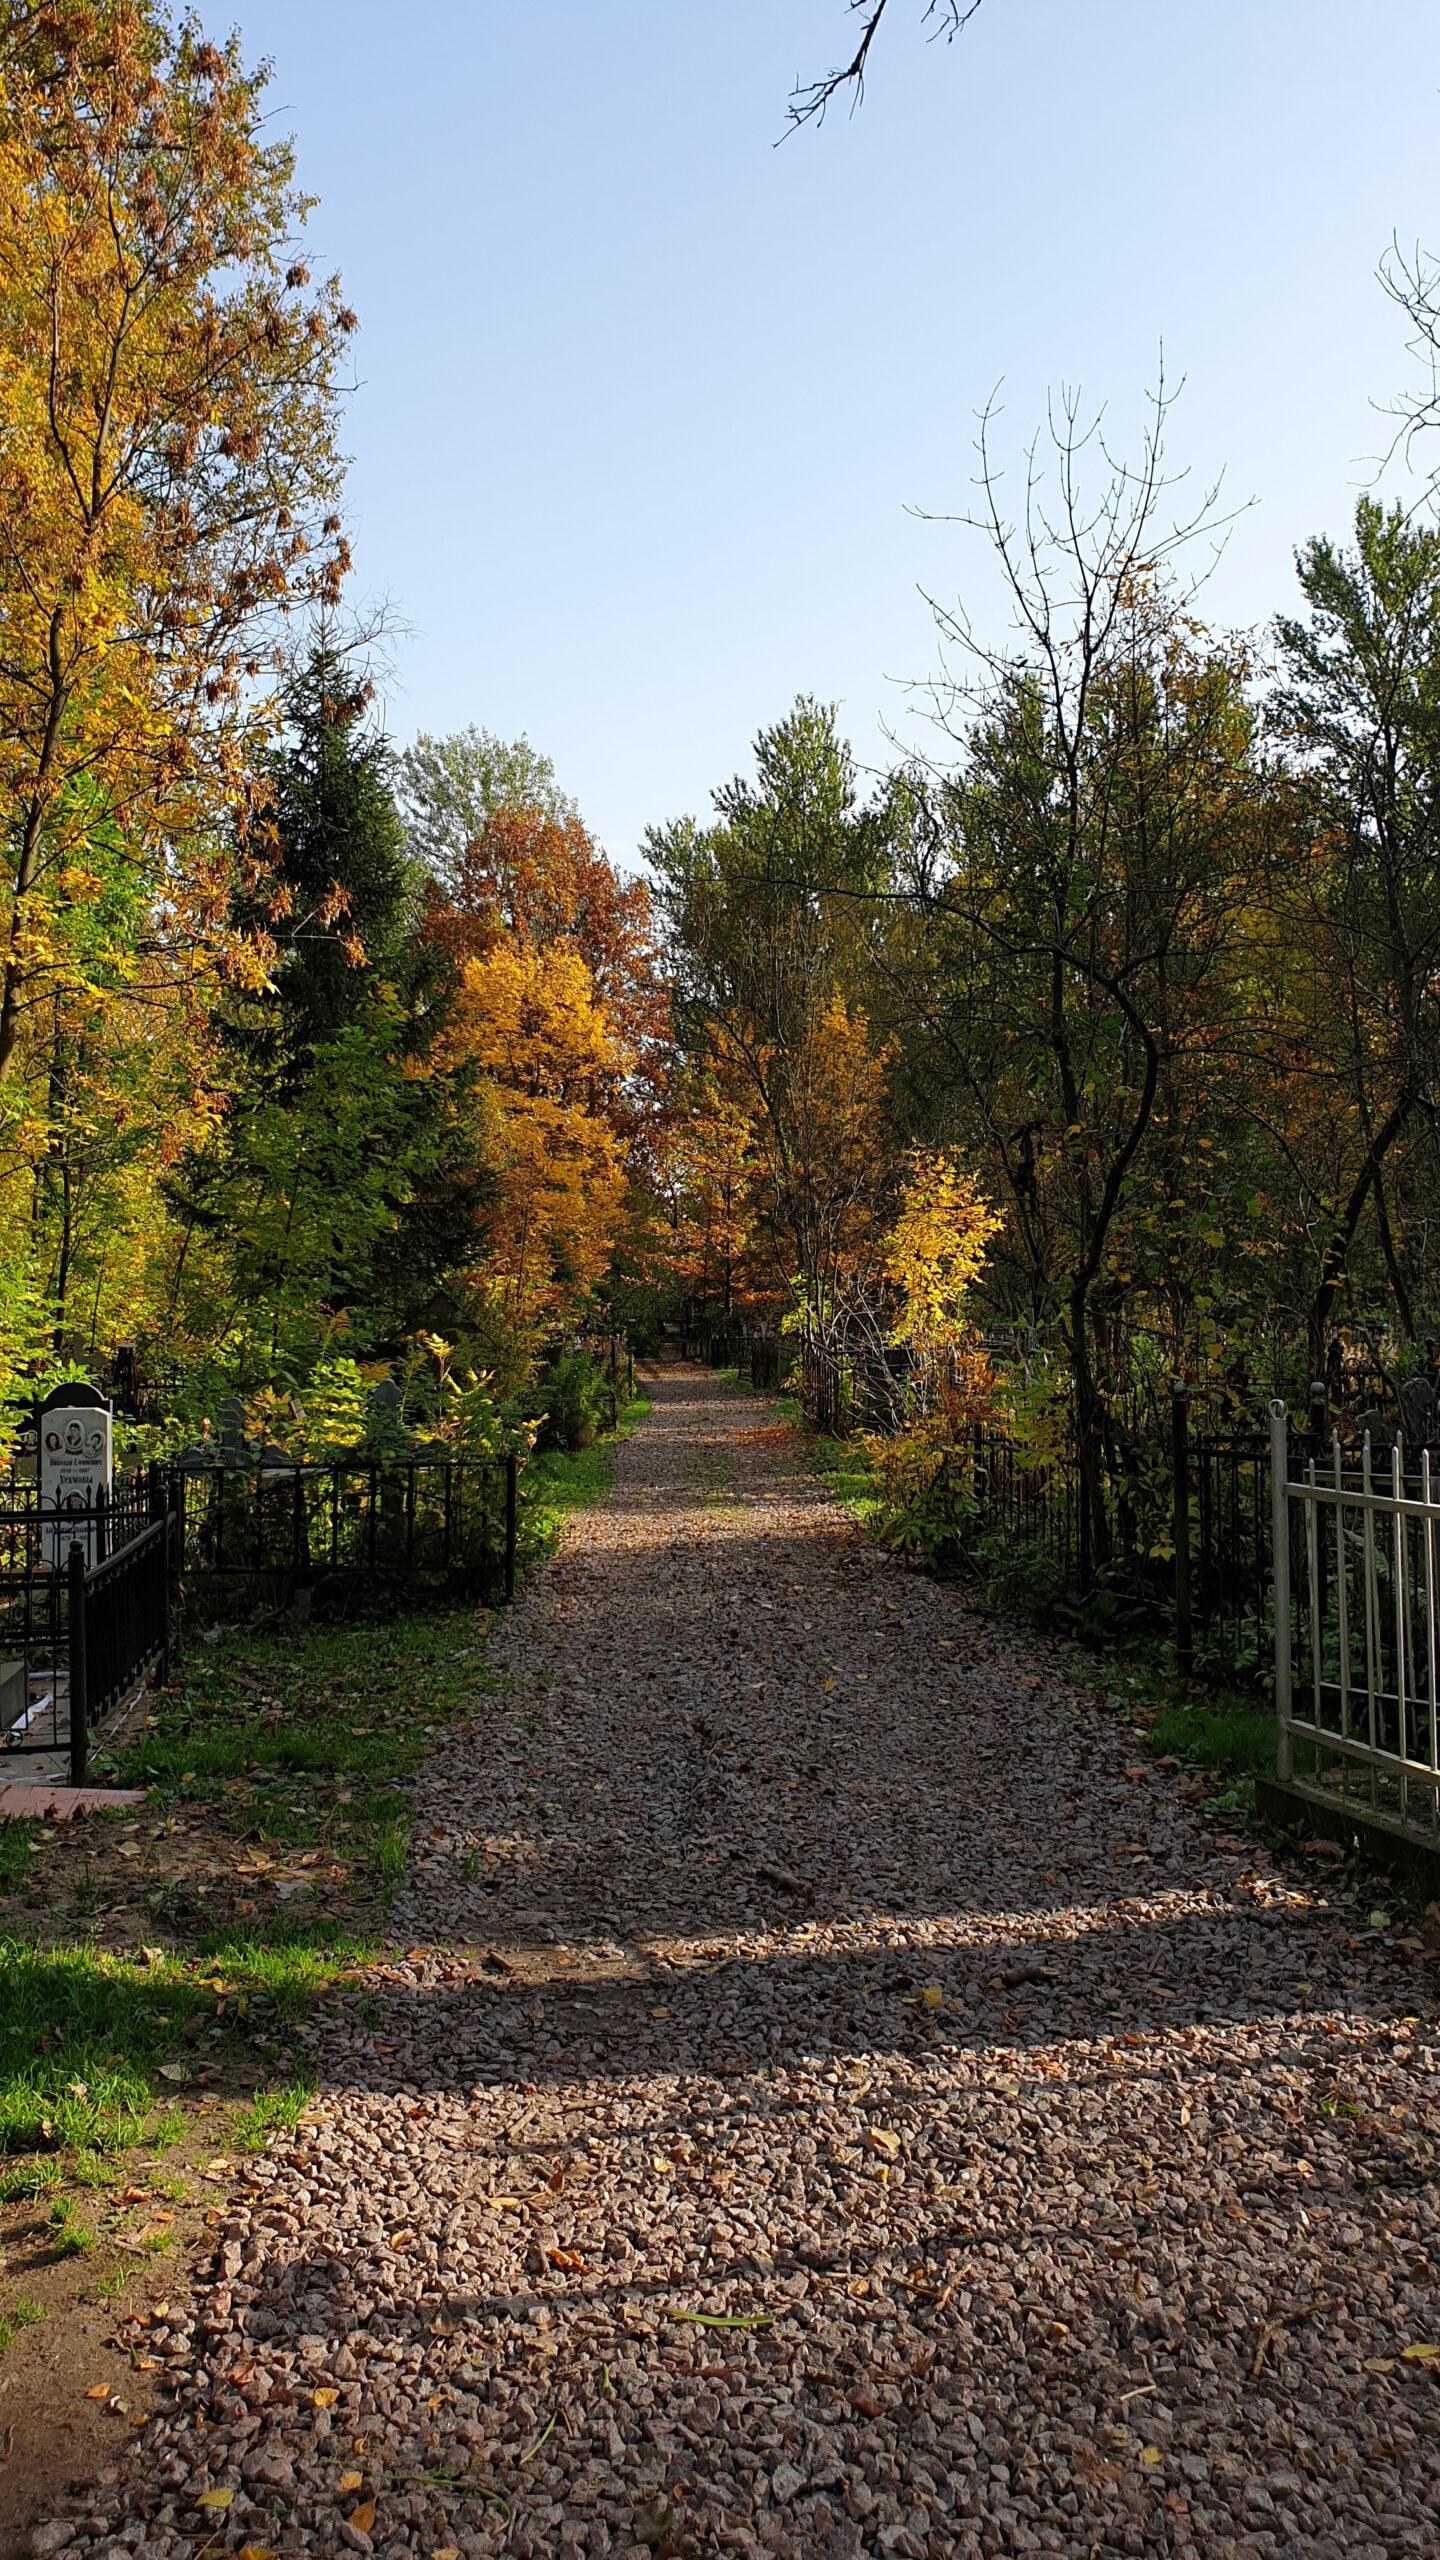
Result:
[[1357, 1630]]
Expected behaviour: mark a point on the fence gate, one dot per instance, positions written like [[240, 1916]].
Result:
[[1357, 1647]]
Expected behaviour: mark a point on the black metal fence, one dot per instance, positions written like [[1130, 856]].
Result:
[[360, 1522], [88, 1596], [85, 1614]]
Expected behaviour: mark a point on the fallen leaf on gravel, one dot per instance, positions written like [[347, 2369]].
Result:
[[1151, 2454], [351, 2480], [1418, 2354], [98, 2391], [883, 2140], [216, 2500], [363, 2516], [326, 2396], [1380, 2364], [256, 2551], [933, 1996], [568, 2259], [447, 2551], [725, 2319]]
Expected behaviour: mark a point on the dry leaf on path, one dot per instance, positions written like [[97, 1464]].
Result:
[[216, 2500], [363, 2516], [326, 2396], [725, 2319], [350, 2481]]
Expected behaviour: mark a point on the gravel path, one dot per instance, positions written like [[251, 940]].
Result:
[[826, 2099]]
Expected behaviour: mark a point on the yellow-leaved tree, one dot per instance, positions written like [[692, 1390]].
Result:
[[169, 483], [935, 1251]]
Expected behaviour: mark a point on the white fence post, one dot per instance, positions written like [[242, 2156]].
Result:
[[1280, 1544]]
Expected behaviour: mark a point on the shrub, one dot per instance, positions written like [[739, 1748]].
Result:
[[924, 1494], [573, 1399]]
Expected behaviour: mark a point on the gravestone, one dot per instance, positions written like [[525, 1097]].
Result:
[[77, 1467]]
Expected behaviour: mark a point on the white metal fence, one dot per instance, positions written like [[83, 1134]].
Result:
[[1357, 1630]]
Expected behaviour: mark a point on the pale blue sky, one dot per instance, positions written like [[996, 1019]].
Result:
[[644, 401]]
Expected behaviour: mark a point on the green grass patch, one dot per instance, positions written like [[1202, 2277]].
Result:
[[299, 1743], [95, 2047], [74, 2236], [20, 2314], [847, 1467], [1223, 1736], [17, 1855], [272, 2111]]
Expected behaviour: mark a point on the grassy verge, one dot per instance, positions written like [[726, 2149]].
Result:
[[559, 1481], [846, 1466], [153, 1958]]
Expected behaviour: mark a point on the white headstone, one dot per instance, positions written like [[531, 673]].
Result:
[[77, 1465]]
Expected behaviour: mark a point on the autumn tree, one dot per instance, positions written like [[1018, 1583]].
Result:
[[1360, 709], [450, 788], [770, 914], [1095, 848], [168, 468]]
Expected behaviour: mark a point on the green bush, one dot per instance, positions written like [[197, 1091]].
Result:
[[573, 1401]]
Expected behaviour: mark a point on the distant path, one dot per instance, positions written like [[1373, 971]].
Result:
[[789, 1944]]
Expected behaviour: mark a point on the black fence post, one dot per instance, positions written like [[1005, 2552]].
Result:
[[512, 1472], [1180, 1515], [79, 1698]]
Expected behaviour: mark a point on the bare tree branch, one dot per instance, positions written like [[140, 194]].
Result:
[[810, 99]]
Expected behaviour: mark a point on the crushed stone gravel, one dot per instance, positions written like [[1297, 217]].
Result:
[[823, 2097]]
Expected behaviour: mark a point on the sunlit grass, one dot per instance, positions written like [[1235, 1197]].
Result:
[[94, 2047], [17, 2315], [272, 2111], [559, 1481]]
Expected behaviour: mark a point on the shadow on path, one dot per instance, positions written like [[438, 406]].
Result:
[[824, 2099]]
